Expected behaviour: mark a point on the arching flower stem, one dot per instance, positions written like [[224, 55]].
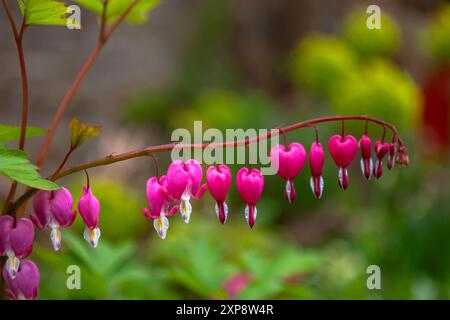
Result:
[[113, 158]]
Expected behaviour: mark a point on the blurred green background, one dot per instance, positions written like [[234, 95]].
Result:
[[313, 248]]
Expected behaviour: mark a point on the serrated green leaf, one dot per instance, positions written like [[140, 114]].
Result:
[[15, 165], [138, 14], [44, 12], [11, 133]]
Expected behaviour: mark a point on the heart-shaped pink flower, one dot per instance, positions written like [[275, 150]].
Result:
[[365, 145], [25, 285], [53, 209], [343, 150], [316, 161], [16, 241], [89, 208], [381, 149], [158, 202], [218, 180], [184, 181], [250, 185], [288, 162], [392, 154]]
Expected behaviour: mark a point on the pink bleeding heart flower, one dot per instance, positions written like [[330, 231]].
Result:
[[289, 162], [381, 149], [53, 209], [25, 285], [184, 182], [250, 185], [158, 202], [316, 161], [16, 242], [343, 150], [218, 180], [366, 156], [89, 208], [392, 154]]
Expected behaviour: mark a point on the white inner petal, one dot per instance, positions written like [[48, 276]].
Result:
[[161, 225], [55, 236], [92, 236], [12, 265], [289, 191], [186, 210]]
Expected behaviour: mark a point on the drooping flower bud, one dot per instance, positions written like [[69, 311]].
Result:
[[316, 161], [402, 157], [53, 209], [381, 149], [25, 285], [250, 185], [218, 180], [365, 145], [343, 150], [392, 154], [16, 242], [184, 182], [158, 202], [289, 162], [89, 208]]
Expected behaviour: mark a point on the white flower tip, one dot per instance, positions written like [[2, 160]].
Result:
[[186, 210], [55, 236], [161, 225], [92, 236], [12, 266]]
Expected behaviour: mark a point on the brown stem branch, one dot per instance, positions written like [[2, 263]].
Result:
[[18, 36], [76, 83]]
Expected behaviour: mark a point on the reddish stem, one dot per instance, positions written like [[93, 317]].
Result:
[[18, 36], [103, 38]]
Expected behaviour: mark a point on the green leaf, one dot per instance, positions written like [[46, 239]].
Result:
[[15, 165], [11, 133], [44, 12], [115, 8]]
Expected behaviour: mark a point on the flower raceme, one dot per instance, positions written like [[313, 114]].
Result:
[[218, 180], [89, 208], [53, 209], [158, 202], [172, 192], [289, 161], [183, 183], [250, 185], [16, 242]]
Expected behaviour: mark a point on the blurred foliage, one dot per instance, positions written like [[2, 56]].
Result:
[[437, 34], [381, 90], [371, 42], [353, 74], [192, 262], [321, 61], [224, 109]]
